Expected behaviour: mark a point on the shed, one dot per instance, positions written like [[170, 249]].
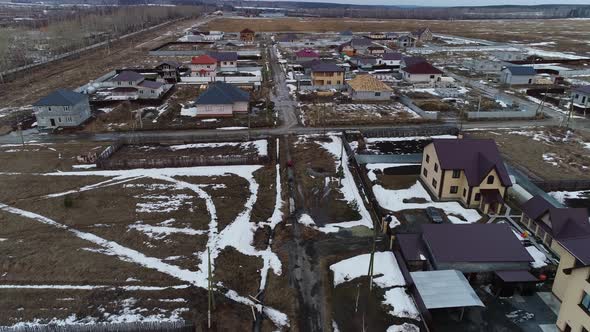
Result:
[[445, 289]]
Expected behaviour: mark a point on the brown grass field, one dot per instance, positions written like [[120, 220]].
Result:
[[568, 35]]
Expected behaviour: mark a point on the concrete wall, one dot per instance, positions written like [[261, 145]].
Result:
[[214, 110], [371, 96]]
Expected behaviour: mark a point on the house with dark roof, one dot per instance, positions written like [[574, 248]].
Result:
[[581, 96], [361, 45], [391, 60], [305, 55], [567, 232], [363, 61], [131, 85], [469, 248], [247, 35], [470, 171], [62, 108], [423, 34], [327, 76], [222, 100], [376, 50], [226, 61], [518, 75], [422, 72], [169, 71], [347, 49]]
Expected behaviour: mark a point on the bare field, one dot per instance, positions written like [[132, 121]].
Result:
[[547, 153], [568, 35]]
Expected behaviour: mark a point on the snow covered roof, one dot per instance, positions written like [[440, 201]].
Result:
[[61, 97], [445, 289]]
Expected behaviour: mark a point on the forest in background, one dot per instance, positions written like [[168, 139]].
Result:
[[76, 28]]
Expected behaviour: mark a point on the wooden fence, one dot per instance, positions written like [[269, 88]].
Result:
[[181, 161], [411, 131], [179, 326]]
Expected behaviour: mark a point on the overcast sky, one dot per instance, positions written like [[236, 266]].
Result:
[[452, 2]]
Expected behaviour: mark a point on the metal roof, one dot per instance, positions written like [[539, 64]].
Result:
[[221, 93], [516, 276], [326, 67], [224, 56], [61, 97], [127, 76], [445, 289], [522, 70]]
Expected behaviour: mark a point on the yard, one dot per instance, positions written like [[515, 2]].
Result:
[[318, 115], [135, 244], [547, 153]]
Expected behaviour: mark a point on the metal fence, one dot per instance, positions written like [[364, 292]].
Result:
[[426, 115], [411, 131], [181, 161], [530, 114], [563, 185]]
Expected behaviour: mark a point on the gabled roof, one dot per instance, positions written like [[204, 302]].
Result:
[[421, 31], [247, 30], [224, 56], [61, 97], [583, 89], [151, 84], [521, 70], [476, 243], [476, 157], [565, 222], [355, 42], [127, 76], [413, 60], [203, 60], [422, 68], [368, 83], [579, 247], [376, 47], [174, 64], [221, 93], [311, 63], [307, 53], [326, 67], [392, 56], [288, 37]]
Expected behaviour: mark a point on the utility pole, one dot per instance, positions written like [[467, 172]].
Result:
[[569, 115], [211, 300]]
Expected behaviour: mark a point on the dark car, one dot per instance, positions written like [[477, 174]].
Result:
[[435, 215]]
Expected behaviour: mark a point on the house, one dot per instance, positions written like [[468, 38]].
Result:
[[347, 49], [391, 36], [391, 60], [484, 65], [226, 61], [327, 76], [288, 38], [368, 88], [376, 50], [376, 35], [550, 223], [169, 71], [571, 284], [222, 100], [423, 34], [470, 171], [363, 61], [470, 248], [361, 45], [509, 55], [422, 72], [581, 96], [518, 75], [406, 41], [62, 108], [203, 66], [411, 60], [306, 55], [247, 35], [129, 85]]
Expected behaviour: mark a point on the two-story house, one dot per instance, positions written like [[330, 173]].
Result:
[[226, 61], [203, 66], [392, 60], [169, 71], [62, 108], [470, 171], [247, 35], [423, 34], [129, 85], [327, 76]]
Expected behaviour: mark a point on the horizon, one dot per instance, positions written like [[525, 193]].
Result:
[[441, 3]]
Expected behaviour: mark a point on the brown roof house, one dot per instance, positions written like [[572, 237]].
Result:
[[247, 35], [367, 88], [422, 72], [567, 232], [470, 171]]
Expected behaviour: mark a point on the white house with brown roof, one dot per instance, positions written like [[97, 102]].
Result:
[[368, 88], [422, 72]]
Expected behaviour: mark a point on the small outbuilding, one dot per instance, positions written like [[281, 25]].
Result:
[[518, 75]]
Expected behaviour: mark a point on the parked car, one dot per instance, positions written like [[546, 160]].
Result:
[[434, 215]]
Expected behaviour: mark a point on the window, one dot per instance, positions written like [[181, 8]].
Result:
[[490, 179], [456, 174], [431, 77], [130, 83], [464, 192], [49, 108], [435, 167], [119, 83], [425, 172], [59, 119], [454, 189], [477, 197], [585, 304], [434, 183], [377, 94], [152, 91], [337, 82], [66, 108], [329, 82], [427, 158]]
